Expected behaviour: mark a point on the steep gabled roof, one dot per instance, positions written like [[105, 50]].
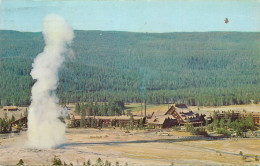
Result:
[[159, 119], [184, 113]]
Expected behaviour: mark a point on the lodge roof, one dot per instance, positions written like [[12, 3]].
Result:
[[10, 107], [110, 117], [16, 121], [159, 119], [185, 111], [181, 105]]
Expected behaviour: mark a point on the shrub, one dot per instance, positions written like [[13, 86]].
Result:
[[195, 131], [223, 131], [176, 128], [189, 128], [200, 131], [56, 161], [241, 153], [20, 162], [210, 127], [107, 163], [99, 161], [88, 162]]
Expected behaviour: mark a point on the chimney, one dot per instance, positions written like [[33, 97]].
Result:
[[145, 108]]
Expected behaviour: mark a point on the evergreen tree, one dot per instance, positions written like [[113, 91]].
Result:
[[1, 125], [185, 69], [77, 109], [131, 122], [222, 123], [88, 162], [229, 122], [215, 123], [99, 162], [20, 162], [13, 118], [141, 124]]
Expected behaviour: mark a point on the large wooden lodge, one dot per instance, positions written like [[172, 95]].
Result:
[[178, 114]]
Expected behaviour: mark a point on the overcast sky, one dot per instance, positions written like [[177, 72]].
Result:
[[135, 16]]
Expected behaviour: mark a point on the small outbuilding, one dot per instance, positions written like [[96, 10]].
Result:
[[10, 108]]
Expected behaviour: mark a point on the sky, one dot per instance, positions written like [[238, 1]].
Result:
[[134, 15]]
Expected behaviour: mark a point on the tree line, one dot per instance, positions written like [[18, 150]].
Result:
[[209, 68], [112, 108]]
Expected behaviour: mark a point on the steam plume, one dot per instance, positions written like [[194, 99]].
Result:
[[45, 130], [0, 12]]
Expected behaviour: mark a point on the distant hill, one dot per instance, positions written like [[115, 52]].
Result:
[[198, 68]]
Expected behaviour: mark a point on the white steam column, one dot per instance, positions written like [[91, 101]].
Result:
[[0, 13], [45, 130]]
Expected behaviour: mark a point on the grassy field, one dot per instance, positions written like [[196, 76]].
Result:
[[138, 109], [162, 108]]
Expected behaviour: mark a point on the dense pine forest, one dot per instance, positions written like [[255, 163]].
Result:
[[199, 68]]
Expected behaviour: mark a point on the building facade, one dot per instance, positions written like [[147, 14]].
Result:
[[239, 114], [184, 115]]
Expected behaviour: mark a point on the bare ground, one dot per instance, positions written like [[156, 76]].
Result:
[[136, 148]]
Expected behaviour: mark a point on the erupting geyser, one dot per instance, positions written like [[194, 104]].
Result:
[[45, 130]]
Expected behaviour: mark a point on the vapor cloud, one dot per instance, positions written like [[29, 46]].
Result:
[[45, 130], [0, 14]]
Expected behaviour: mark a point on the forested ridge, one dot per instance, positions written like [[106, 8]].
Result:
[[197, 68]]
